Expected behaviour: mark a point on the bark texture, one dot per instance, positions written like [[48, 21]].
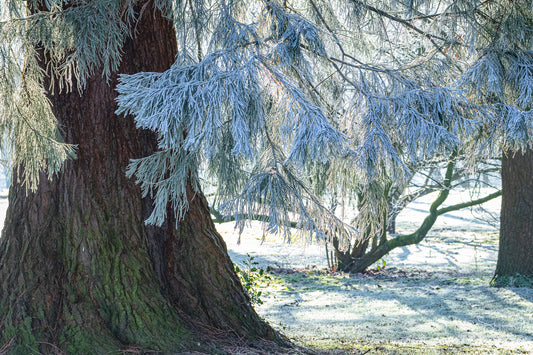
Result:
[[80, 272], [515, 256]]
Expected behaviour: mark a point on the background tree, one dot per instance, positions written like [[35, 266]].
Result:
[[359, 256], [405, 91], [501, 76], [486, 50], [485, 47]]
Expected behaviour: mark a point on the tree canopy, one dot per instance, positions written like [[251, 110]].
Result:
[[280, 101]]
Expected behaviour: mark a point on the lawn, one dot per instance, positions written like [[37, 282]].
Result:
[[431, 298]]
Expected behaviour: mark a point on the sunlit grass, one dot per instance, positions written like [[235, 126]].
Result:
[[432, 298]]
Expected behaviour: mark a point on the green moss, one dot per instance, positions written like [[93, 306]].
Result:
[[113, 301], [79, 339], [20, 335], [516, 280], [302, 281]]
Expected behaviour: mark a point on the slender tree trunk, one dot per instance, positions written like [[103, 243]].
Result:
[[80, 272], [515, 254], [365, 257]]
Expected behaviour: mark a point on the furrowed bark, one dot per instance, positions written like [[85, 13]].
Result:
[[515, 255]]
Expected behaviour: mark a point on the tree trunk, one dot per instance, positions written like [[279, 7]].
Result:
[[80, 272], [361, 259], [515, 256]]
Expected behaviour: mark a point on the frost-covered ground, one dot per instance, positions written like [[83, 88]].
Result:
[[431, 298]]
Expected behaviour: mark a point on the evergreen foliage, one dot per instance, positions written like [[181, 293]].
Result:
[[282, 101]]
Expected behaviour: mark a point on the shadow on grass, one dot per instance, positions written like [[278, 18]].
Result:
[[402, 308]]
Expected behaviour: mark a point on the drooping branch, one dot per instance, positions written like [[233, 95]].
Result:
[[406, 23]]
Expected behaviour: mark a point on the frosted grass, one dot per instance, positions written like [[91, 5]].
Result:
[[433, 297]]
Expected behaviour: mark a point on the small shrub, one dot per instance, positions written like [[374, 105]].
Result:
[[251, 276], [383, 263]]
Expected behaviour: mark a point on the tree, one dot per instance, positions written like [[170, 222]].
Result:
[[502, 76], [488, 54], [81, 272], [359, 256], [486, 51], [266, 96], [516, 236]]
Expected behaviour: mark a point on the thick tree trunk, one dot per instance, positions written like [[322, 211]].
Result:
[[80, 272], [515, 256]]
